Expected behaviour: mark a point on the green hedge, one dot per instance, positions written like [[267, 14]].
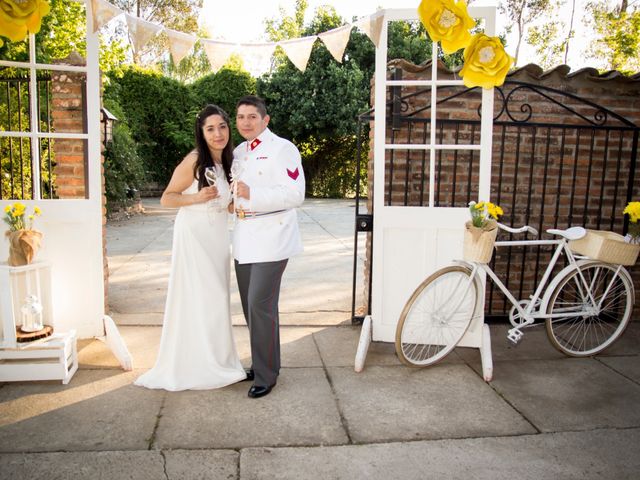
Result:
[[156, 121]]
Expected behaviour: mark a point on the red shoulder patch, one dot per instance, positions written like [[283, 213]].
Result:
[[293, 174]]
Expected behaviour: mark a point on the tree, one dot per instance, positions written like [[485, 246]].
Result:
[[181, 15], [617, 35], [545, 40], [522, 13]]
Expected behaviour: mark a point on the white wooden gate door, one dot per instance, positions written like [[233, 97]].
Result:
[[409, 243], [72, 228]]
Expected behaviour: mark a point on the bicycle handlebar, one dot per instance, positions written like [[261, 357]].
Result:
[[524, 229]]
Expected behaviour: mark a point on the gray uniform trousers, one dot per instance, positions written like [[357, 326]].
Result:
[[259, 286]]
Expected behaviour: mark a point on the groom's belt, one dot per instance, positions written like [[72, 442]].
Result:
[[246, 214]]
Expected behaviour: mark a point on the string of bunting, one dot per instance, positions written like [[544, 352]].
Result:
[[218, 52]]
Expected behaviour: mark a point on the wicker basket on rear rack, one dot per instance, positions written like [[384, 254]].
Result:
[[607, 247]]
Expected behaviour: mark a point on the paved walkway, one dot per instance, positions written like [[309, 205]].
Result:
[[543, 415]]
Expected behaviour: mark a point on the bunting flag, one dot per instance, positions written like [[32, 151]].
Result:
[[257, 56], [218, 52], [102, 12], [371, 26], [299, 50], [179, 44], [141, 31], [336, 40]]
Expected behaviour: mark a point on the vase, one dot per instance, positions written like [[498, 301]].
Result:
[[479, 241], [23, 246]]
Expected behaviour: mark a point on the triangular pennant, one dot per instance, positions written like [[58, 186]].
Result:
[[141, 31], [102, 12], [218, 52], [299, 50], [336, 40], [256, 56], [179, 44], [371, 25]]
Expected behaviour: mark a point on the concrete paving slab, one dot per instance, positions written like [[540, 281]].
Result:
[[142, 342], [628, 343], [443, 401], [316, 288], [297, 347], [569, 394], [628, 366], [533, 346], [137, 465], [94, 412], [300, 410], [338, 348], [610, 454], [201, 464]]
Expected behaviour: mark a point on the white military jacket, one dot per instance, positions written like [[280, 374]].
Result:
[[272, 169]]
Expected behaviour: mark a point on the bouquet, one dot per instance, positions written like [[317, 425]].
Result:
[[14, 216], [24, 241], [484, 214], [633, 210]]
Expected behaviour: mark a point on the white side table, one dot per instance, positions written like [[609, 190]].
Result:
[[51, 358]]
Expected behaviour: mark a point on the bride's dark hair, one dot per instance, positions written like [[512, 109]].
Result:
[[204, 155]]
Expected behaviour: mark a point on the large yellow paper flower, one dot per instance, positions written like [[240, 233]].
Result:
[[20, 17], [485, 62], [447, 22]]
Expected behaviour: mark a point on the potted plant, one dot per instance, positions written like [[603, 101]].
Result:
[[24, 241]]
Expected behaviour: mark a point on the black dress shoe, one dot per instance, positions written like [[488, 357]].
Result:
[[250, 374], [257, 391]]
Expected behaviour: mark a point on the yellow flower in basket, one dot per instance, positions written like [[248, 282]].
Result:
[[447, 22], [483, 212], [485, 62], [633, 210], [20, 17]]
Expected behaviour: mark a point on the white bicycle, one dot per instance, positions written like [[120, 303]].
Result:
[[586, 306]]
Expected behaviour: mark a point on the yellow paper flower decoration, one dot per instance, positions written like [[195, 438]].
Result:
[[447, 22], [20, 17], [485, 62]]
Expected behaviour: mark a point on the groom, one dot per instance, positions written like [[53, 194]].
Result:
[[270, 185]]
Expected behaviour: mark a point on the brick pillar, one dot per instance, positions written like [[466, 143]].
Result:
[[68, 101], [68, 115]]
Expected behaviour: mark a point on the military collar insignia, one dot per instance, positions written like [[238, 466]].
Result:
[[253, 145]]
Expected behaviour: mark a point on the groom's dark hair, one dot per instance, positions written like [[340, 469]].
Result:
[[256, 102]]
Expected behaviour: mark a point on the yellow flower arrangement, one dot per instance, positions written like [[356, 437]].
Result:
[[20, 17], [633, 210], [14, 216], [485, 62], [483, 212], [447, 22]]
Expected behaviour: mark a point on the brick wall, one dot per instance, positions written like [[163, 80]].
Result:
[[548, 175]]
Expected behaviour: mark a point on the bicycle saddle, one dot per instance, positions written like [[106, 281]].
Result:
[[573, 233]]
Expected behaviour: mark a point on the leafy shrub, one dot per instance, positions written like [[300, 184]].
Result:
[[123, 169]]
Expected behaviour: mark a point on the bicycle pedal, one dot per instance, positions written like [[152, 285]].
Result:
[[514, 336]]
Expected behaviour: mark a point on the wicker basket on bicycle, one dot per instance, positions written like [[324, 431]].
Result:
[[607, 247], [478, 242]]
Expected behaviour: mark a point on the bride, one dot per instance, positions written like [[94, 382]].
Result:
[[197, 348]]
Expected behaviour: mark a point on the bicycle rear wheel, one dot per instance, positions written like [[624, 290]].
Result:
[[597, 327], [436, 316]]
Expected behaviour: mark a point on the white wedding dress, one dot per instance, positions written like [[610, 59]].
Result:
[[197, 348]]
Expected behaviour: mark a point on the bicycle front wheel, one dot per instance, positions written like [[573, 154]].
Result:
[[582, 328], [436, 316]]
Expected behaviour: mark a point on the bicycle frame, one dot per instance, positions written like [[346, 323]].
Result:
[[528, 314]]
